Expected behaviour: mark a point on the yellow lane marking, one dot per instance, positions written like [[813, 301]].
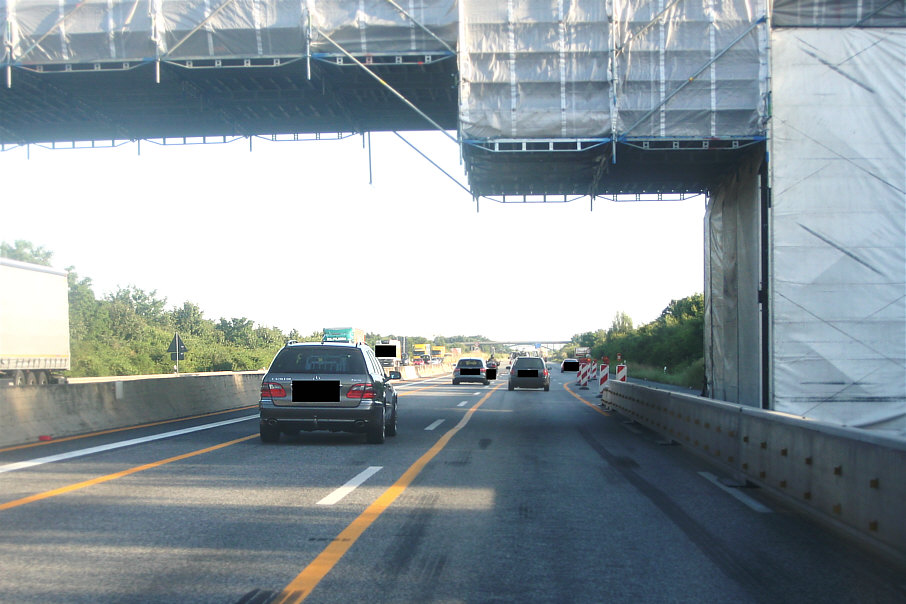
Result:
[[302, 586], [595, 407], [109, 477], [160, 423]]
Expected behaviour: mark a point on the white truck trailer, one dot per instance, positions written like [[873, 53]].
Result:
[[34, 323]]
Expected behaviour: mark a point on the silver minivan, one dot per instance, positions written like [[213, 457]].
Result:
[[335, 386]]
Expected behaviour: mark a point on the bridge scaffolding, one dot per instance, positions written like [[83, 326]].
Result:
[[551, 99]]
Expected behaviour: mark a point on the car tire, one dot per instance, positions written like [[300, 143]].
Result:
[[487, 382], [391, 429], [455, 382], [269, 434], [509, 387], [547, 388], [376, 429]]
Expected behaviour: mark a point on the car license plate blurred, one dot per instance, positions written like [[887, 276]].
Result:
[[469, 371], [527, 373], [316, 391]]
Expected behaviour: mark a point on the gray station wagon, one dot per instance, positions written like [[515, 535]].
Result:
[[529, 372], [335, 386]]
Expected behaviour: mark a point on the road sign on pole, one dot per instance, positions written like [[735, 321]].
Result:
[[177, 350]]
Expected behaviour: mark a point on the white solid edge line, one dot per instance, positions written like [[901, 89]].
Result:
[[434, 424], [20, 465], [351, 485], [745, 499]]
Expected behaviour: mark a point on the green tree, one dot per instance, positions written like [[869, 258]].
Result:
[[622, 324], [25, 251], [189, 319]]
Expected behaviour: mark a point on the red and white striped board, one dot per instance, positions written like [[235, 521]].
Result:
[[621, 373], [603, 375], [583, 375]]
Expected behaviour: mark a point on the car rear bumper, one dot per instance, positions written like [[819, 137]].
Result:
[[335, 419], [528, 382], [470, 378]]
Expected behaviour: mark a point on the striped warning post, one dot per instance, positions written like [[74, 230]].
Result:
[[583, 376], [603, 374], [621, 373]]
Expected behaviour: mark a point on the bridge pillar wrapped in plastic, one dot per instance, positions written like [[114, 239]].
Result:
[[838, 158], [732, 274]]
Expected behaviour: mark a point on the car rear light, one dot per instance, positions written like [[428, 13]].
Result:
[[361, 391], [272, 390], [483, 370], [546, 373]]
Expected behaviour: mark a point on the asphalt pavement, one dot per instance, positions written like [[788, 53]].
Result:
[[485, 495]]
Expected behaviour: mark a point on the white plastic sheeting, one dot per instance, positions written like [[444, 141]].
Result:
[[534, 69], [838, 265], [839, 13], [364, 27], [620, 68], [732, 280], [47, 32]]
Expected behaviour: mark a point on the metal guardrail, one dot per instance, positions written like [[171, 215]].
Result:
[[851, 478]]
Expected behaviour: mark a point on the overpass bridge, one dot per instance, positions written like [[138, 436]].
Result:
[[789, 114]]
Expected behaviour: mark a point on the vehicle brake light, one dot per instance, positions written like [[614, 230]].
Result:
[[361, 391], [272, 390]]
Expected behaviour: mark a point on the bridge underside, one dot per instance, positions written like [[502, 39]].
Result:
[[100, 104], [197, 101]]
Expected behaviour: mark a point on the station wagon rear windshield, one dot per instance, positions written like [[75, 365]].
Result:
[[469, 363], [529, 362], [317, 359]]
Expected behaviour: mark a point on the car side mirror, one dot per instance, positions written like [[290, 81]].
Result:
[[396, 375]]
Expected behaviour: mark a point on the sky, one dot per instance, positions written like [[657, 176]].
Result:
[[292, 235]]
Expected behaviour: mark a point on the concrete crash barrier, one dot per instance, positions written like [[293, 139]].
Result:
[[850, 478], [413, 372], [59, 410]]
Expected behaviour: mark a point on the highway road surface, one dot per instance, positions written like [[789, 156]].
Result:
[[484, 496]]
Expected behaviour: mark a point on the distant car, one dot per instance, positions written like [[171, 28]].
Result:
[[471, 369], [529, 372], [569, 365], [335, 386]]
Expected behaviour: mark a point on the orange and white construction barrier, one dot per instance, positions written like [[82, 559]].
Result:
[[603, 375], [583, 375], [621, 373]]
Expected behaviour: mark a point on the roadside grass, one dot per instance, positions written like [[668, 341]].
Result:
[[691, 375]]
